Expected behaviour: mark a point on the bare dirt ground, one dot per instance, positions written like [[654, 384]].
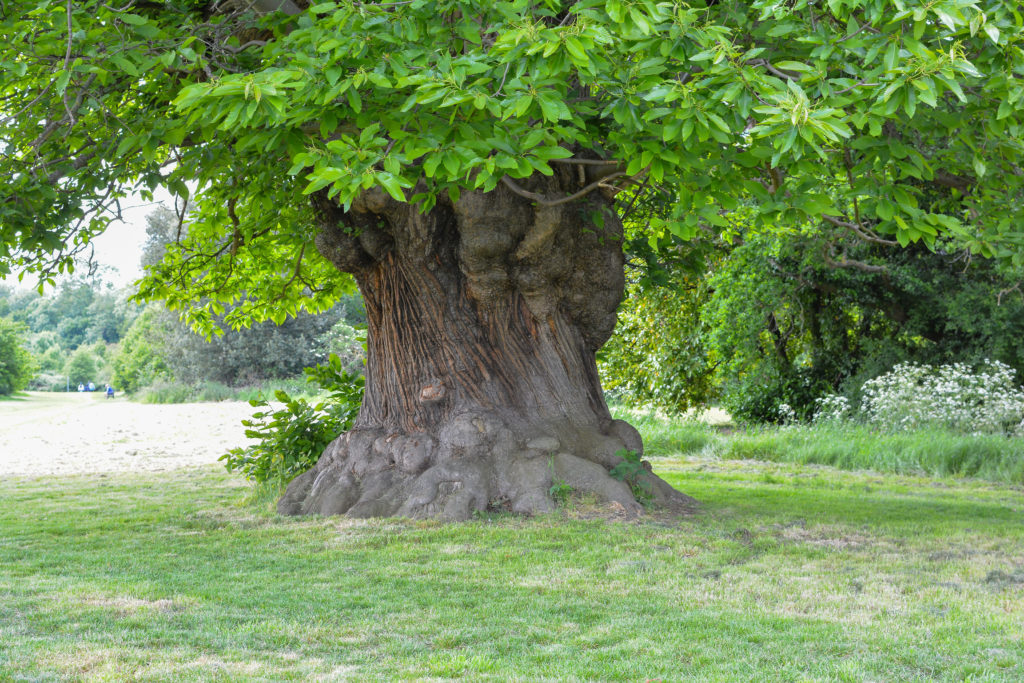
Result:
[[57, 434]]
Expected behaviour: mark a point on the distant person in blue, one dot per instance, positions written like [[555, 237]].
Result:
[[110, 391], [90, 387]]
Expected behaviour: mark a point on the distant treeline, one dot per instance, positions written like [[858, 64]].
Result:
[[86, 331]]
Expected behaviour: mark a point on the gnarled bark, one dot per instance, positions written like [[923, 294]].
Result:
[[481, 387]]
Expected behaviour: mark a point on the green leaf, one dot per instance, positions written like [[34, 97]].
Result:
[[548, 108], [354, 101], [133, 19], [577, 51], [789, 65], [979, 167], [392, 185]]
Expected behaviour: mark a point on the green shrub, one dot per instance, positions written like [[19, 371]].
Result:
[[48, 382], [657, 356], [631, 471], [292, 438], [164, 391], [139, 361], [293, 387], [81, 366], [213, 391]]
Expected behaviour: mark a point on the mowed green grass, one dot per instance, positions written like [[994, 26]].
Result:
[[788, 573]]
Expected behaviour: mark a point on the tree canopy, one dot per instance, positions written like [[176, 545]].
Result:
[[886, 122]]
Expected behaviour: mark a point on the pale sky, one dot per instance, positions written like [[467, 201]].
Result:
[[120, 246]]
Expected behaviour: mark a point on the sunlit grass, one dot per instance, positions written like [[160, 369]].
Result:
[[788, 573]]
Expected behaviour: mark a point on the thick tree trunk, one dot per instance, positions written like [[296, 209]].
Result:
[[481, 387]]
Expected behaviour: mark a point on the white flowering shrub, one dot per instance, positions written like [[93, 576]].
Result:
[[832, 408], [786, 414], [953, 396]]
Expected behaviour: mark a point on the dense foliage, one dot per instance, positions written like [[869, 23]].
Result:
[[86, 331], [773, 321], [72, 330], [873, 121], [141, 359], [82, 310], [659, 355]]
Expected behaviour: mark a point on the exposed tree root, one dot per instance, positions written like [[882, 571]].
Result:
[[477, 462]]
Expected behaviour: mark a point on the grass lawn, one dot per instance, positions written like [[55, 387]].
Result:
[[790, 572]]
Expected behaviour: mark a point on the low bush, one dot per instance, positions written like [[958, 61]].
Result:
[[48, 382], [293, 387], [165, 391], [211, 391], [292, 438]]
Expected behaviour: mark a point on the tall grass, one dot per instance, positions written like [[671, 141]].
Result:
[[931, 451], [667, 436]]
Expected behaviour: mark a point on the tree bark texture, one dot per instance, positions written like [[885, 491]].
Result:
[[481, 387]]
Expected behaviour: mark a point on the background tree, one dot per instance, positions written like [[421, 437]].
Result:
[[236, 357], [140, 359], [470, 164], [16, 365], [81, 367], [659, 355]]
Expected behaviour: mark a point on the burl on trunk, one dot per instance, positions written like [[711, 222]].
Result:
[[481, 388]]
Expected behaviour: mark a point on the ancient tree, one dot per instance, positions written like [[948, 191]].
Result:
[[479, 169]]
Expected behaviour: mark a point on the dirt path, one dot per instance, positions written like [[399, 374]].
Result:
[[57, 433]]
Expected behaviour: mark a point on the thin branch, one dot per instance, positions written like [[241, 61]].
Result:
[[632, 202], [771, 69], [17, 114], [67, 62], [502, 84], [523, 193], [863, 233], [79, 163], [855, 85], [544, 201], [250, 43], [270, 6], [858, 31], [844, 262], [1009, 290], [295, 274], [585, 162]]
